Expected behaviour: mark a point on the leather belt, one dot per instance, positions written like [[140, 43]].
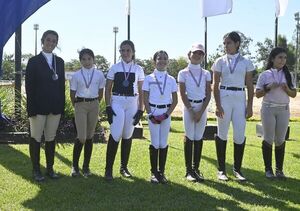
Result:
[[126, 95], [160, 106], [82, 99], [197, 101], [232, 88]]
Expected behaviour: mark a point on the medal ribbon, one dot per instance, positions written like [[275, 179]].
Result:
[[126, 75], [200, 76], [232, 69], [87, 85], [161, 90], [51, 68]]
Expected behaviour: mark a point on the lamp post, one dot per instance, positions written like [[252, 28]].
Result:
[[35, 27], [297, 19], [115, 30]]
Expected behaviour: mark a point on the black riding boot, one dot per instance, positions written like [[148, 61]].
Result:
[[50, 153], [153, 162], [188, 155], [162, 163], [279, 157], [88, 148], [267, 156], [238, 154], [112, 148], [125, 152], [221, 155], [76, 155], [197, 157], [34, 151]]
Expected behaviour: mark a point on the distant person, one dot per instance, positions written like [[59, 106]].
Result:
[[276, 88], [124, 106], [160, 99], [86, 91], [45, 91], [231, 72], [195, 91]]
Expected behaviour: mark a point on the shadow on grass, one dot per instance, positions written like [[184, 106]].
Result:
[[276, 193], [95, 193]]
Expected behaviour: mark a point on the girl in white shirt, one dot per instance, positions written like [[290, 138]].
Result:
[[160, 99], [195, 91], [275, 86]]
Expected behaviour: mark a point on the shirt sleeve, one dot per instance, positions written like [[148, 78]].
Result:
[[217, 66], [111, 73], [208, 76], [73, 82], [174, 85], [261, 81], [145, 86], [250, 67], [141, 75], [180, 77]]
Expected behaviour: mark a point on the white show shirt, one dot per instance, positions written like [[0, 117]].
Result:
[[78, 84], [150, 85], [49, 58], [117, 69], [194, 92], [237, 78], [276, 95]]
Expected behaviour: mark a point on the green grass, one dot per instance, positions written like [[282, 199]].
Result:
[[19, 192]]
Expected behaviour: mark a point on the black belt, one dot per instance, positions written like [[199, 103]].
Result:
[[126, 95], [82, 99], [197, 101], [232, 88], [160, 106]]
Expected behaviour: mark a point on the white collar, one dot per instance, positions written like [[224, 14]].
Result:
[[127, 64], [275, 70], [159, 73], [233, 56], [194, 66], [47, 55], [87, 70]]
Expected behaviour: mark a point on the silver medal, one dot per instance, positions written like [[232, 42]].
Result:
[[55, 77], [125, 83]]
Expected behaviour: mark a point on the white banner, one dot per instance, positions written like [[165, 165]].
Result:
[[281, 6], [215, 7]]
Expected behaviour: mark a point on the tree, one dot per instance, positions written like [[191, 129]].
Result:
[[176, 65], [263, 51], [72, 65], [101, 63], [8, 67]]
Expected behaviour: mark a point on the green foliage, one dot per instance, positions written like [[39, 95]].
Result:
[[19, 192]]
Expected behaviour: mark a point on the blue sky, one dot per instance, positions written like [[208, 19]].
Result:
[[171, 25]]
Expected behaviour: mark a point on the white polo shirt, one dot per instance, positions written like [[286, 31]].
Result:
[[237, 78], [193, 91], [276, 95], [150, 85], [78, 84], [116, 73]]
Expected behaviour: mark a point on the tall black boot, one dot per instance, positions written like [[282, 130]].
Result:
[[76, 155], [34, 151], [88, 148], [112, 148], [162, 163], [279, 157], [238, 154], [153, 162], [221, 155], [125, 153], [50, 152], [197, 157], [267, 156], [188, 154]]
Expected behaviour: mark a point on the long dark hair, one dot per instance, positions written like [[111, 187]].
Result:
[[287, 74]]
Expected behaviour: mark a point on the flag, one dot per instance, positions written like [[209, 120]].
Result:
[[13, 14], [127, 7], [280, 6], [215, 7]]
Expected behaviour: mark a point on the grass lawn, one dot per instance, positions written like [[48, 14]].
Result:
[[19, 192]]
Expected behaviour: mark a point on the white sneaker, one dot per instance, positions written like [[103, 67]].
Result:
[[222, 176]]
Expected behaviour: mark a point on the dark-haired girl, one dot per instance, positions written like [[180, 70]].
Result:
[[124, 106], [276, 88], [231, 72], [86, 91], [45, 91], [160, 98]]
